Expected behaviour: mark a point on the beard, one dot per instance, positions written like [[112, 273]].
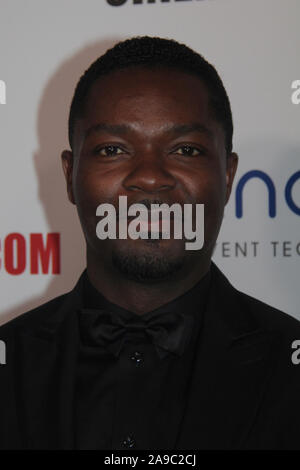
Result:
[[147, 266]]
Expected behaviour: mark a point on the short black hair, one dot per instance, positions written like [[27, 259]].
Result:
[[150, 52]]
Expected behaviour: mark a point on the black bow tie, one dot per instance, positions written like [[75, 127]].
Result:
[[168, 331]]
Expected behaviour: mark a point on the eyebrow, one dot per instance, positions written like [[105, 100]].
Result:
[[121, 129]]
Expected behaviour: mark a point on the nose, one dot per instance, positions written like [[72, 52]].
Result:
[[150, 175]]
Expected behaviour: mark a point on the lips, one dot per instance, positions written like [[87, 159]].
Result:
[[145, 216], [156, 226], [150, 221]]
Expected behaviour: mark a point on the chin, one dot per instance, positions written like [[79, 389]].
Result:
[[148, 260]]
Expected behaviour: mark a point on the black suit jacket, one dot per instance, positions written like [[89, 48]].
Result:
[[244, 392]]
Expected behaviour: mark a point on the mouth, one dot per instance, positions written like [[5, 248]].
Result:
[[150, 221]]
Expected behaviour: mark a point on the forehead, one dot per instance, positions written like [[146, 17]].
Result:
[[147, 99], [165, 86]]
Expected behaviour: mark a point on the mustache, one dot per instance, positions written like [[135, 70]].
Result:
[[148, 202], [145, 202]]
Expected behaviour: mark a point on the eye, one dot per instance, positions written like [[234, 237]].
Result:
[[108, 150], [189, 151]]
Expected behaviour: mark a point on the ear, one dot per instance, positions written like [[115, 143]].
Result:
[[67, 164], [231, 166]]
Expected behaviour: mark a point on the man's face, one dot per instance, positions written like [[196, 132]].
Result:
[[148, 134]]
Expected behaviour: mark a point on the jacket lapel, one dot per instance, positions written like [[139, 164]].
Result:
[[233, 362], [45, 362]]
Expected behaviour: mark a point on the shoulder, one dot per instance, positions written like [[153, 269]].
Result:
[[50, 312], [34, 317], [261, 328], [268, 316], [249, 310]]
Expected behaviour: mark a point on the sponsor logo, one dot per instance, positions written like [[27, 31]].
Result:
[[277, 249], [15, 248], [271, 192]]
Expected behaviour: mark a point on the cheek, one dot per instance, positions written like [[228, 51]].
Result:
[[87, 197], [95, 183], [210, 190], [90, 190]]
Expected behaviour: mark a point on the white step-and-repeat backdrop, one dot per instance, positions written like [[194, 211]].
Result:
[[46, 45]]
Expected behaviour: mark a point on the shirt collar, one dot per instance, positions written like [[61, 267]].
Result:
[[192, 301]]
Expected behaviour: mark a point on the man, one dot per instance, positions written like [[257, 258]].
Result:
[[153, 348]]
